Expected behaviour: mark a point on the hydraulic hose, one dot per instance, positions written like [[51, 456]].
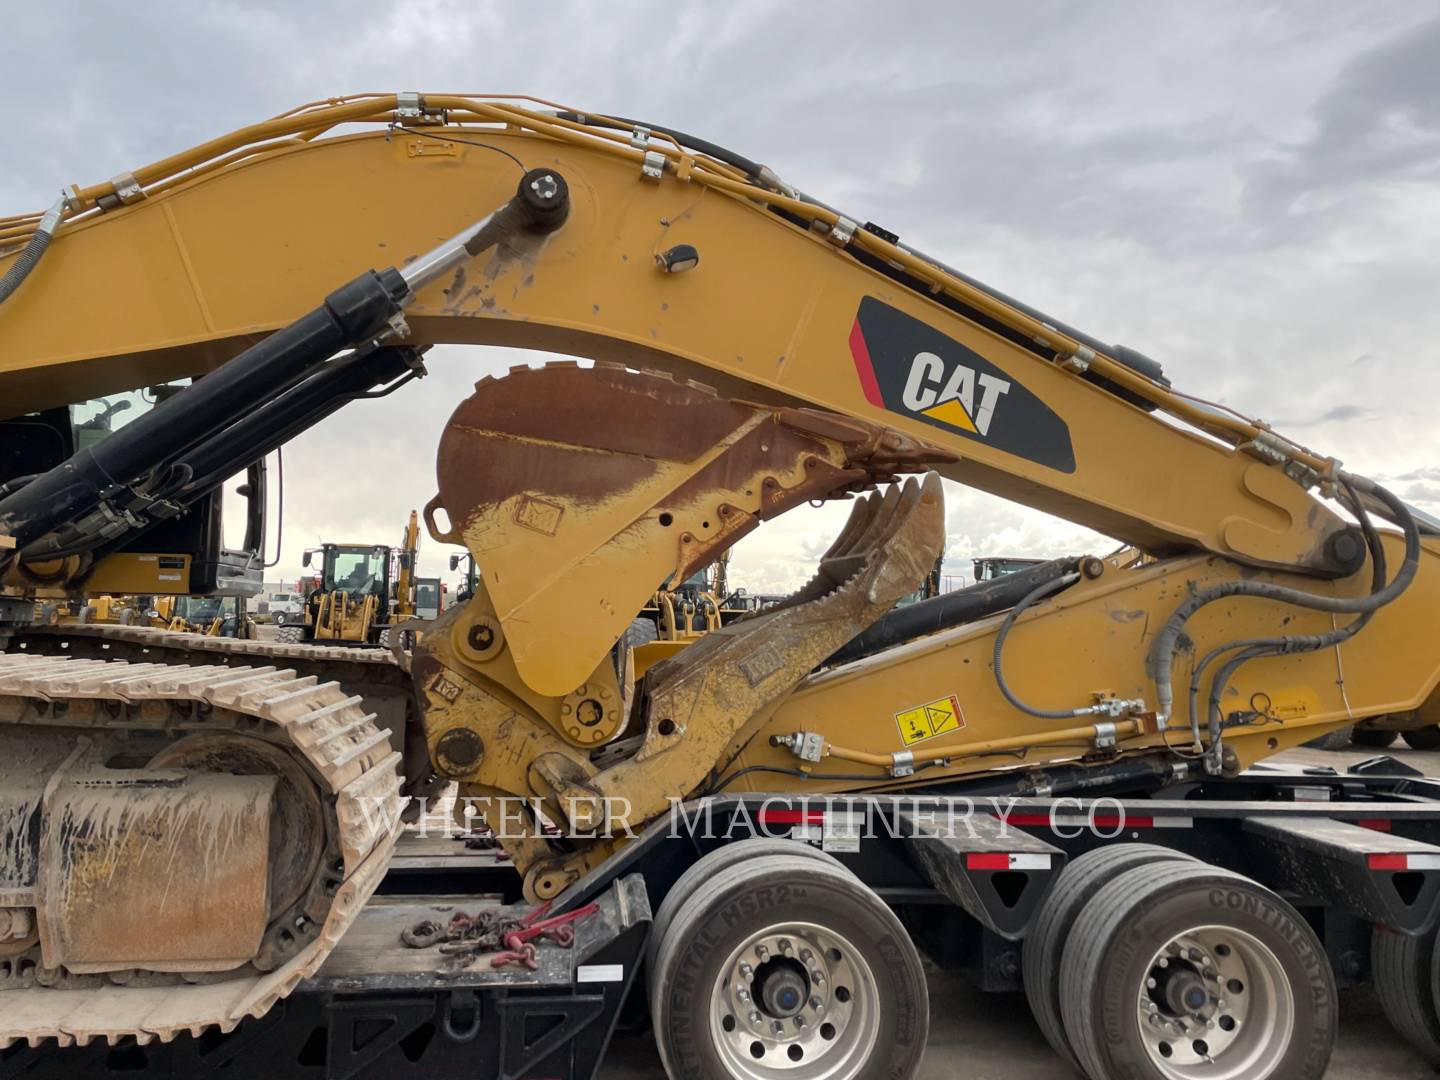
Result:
[[1034, 596], [1162, 654], [33, 252], [1289, 643]]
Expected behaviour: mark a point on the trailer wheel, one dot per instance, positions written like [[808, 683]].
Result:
[[1373, 738], [1405, 972], [1046, 938], [1423, 738], [1182, 972], [784, 966], [712, 864]]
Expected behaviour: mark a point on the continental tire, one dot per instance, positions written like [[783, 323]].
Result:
[[1047, 935], [1404, 972], [713, 863], [1242, 989], [782, 965]]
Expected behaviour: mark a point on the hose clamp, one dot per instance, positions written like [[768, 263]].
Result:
[[653, 166], [127, 190], [842, 232], [1079, 361]]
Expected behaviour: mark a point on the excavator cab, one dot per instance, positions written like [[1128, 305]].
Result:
[[181, 554]]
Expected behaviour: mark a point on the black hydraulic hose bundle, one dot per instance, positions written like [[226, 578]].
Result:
[[1162, 653], [1256, 647]]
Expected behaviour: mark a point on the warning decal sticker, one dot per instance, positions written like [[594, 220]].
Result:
[[928, 720]]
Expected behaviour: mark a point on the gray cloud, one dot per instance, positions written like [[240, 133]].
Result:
[[1378, 122]]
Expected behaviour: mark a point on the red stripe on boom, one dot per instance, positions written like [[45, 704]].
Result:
[[863, 366]]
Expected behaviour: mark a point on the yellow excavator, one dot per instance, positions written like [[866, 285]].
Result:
[[751, 349]]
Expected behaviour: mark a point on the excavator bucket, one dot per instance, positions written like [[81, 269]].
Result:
[[582, 490]]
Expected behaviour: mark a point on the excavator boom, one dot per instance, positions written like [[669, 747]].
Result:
[[789, 301]]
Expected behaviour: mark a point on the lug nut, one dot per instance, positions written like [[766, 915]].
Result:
[[754, 1018], [786, 949], [747, 971], [817, 977]]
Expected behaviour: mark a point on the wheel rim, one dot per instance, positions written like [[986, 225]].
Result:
[[1215, 1005], [795, 1001]]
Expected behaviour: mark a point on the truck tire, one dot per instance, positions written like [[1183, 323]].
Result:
[[1373, 738], [713, 863], [1423, 738], [788, 941], [1404, 971], [290, 635], [1046, 938], [1222, 950]]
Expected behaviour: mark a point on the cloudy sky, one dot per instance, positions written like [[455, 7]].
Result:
[[1244, 191]]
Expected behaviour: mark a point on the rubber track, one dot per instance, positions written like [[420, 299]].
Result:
[[337, 737]]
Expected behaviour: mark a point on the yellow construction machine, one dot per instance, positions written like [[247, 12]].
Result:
[[364, 592], [753, 350]]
